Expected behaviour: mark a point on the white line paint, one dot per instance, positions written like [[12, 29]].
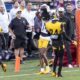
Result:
[[21, 75], [71, 71]]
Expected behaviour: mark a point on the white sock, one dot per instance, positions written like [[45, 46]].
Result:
[[47, 66], [42, 69]]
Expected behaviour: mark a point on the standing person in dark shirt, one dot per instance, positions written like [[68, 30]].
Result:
[[18, 30], [66, 22], [69, 14]]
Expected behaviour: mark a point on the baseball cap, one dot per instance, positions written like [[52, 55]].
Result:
[[61, 9]]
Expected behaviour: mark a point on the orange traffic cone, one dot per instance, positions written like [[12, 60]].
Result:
[[17, 64]]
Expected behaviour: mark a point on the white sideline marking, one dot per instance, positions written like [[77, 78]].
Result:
[[20, 75], [71, 71]]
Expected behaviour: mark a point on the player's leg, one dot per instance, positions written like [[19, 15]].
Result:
[[45, 46], [45, 56], [41, 61], [40, 46], [60, 62], [17, 42], [47, 69], [55, 63]]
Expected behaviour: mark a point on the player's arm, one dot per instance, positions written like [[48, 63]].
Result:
[[12, 33], [11, 30], [64, 34]]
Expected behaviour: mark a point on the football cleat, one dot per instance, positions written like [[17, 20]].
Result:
[[59, 75], [41, 72], [4, 67], [47, 70], [54, 74]]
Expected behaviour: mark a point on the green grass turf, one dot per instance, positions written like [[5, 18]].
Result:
[[29, 70]]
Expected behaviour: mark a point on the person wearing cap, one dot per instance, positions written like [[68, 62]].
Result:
[[67, 26], [57, 35], [18, 28]]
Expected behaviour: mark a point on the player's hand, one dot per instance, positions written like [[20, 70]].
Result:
[[74, 42]]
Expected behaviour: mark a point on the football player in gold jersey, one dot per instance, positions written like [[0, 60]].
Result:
[[58, 35], [42, 45]]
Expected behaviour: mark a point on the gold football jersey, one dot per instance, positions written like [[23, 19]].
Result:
[[54, 28]]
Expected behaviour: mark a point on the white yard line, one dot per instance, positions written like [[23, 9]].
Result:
[[20, 75], [70, 71]]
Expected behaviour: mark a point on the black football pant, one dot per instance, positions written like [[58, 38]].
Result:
[[58, 56], [29, 49]]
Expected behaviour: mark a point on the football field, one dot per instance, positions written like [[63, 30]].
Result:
[[29, 71]]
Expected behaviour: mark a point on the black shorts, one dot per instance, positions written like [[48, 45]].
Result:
[[19, 43]]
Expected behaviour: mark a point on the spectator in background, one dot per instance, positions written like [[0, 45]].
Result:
[[38, 24], [60, 3], [78, 5], [18, 28], [14, 10], [29, 16], [67, 25], [4, 24], [22, 7], [69, 14]]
